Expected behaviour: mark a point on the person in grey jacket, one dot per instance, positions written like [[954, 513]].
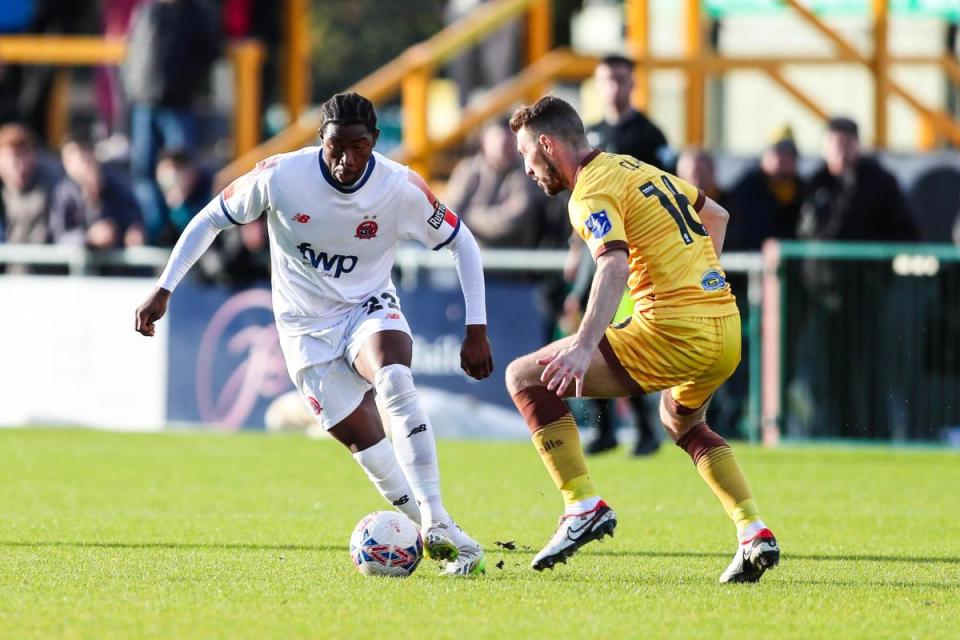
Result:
[[171, 45]]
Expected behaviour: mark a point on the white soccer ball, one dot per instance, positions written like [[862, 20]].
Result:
[[386, 543]]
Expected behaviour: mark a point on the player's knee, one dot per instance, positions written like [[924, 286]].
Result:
[[517, 376], [394, 384], [676, 418]]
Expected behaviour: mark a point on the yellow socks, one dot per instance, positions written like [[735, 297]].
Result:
[[558, 444], [719, 468]]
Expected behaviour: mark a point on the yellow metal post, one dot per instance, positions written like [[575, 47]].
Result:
[[798, 95], [880, 70], [539, 39], [297, 67], [416, 141], [247, 57], [693, 27], [58, 107], [638, 38]]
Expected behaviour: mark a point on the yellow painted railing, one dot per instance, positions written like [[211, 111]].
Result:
[[410, 75], [74, 51]]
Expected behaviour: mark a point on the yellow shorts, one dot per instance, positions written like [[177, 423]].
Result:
[[690, 356]]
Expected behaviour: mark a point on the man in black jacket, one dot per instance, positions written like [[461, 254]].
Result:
[[171, 46], [852, 197], [624, 129], [767, 199], [848, 308]]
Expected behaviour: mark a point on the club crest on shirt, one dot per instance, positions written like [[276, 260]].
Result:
[[367, 230], [598, 223], [712, 280], [302, 218]]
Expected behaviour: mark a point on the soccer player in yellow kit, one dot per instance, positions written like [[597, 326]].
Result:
[[659, 236]]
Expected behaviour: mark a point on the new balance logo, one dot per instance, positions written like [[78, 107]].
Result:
[[417, 430], [402, 500]]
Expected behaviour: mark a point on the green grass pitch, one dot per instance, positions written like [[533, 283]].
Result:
[[186, 535]]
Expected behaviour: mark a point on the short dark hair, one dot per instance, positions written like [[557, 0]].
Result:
[[552, 116], [348, 108], [617, 60], [843, 124]]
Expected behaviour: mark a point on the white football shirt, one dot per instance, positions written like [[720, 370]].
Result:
[[332, 246]]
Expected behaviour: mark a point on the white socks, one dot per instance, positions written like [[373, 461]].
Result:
[[587, 504], [749, 531], [381, 466], [413, 439]]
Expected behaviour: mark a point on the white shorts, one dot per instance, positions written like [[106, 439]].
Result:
[[321, 363]]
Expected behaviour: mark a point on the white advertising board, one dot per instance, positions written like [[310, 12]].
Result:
[[69, 354]]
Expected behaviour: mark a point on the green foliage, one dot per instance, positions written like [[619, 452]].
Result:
[[350, 39], [185, 535]]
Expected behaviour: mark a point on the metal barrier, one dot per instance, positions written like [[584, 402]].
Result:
[[412, 263], [861, 341]]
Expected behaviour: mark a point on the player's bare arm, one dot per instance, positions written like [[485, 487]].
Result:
[[571, 363], [715, 219], [152, 309]]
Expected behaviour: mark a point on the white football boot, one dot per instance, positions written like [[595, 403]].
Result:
[[574, 531], [470, 560], [754, 556], [438, 542]]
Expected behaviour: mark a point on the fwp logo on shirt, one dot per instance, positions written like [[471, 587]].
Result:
[[599, 224], [334, 265]]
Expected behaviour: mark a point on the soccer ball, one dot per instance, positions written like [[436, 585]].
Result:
[[386, 543]]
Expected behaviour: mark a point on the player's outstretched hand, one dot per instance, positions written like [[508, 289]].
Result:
[[150, 311], [567, 365], [476, 357]]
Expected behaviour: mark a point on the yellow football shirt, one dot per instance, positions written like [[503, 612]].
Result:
[[619, 202]]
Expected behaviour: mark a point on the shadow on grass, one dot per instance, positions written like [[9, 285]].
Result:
[[787, 556], [239, 546], [249, 546]]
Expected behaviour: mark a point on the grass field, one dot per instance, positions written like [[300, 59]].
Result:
[[205, 536]]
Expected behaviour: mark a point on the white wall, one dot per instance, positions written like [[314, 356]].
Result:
[[69, 354]]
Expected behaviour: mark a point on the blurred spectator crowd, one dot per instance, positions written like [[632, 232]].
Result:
[[138, 174]]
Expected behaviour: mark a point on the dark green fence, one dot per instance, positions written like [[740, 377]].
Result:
[[861, 341]]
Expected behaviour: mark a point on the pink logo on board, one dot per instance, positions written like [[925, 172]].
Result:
[[261, 372]]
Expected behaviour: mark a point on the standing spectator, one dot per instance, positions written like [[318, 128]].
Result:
[[171, 46], [767, 198], [493, 195], [696, 166], [488, 63], [95, 207], [850, 198], [185, 188], [115, 16], [624, 129]]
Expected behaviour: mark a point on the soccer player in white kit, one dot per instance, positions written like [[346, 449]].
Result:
[[335, 215]]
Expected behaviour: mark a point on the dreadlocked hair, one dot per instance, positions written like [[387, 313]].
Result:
[[348, 108]]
